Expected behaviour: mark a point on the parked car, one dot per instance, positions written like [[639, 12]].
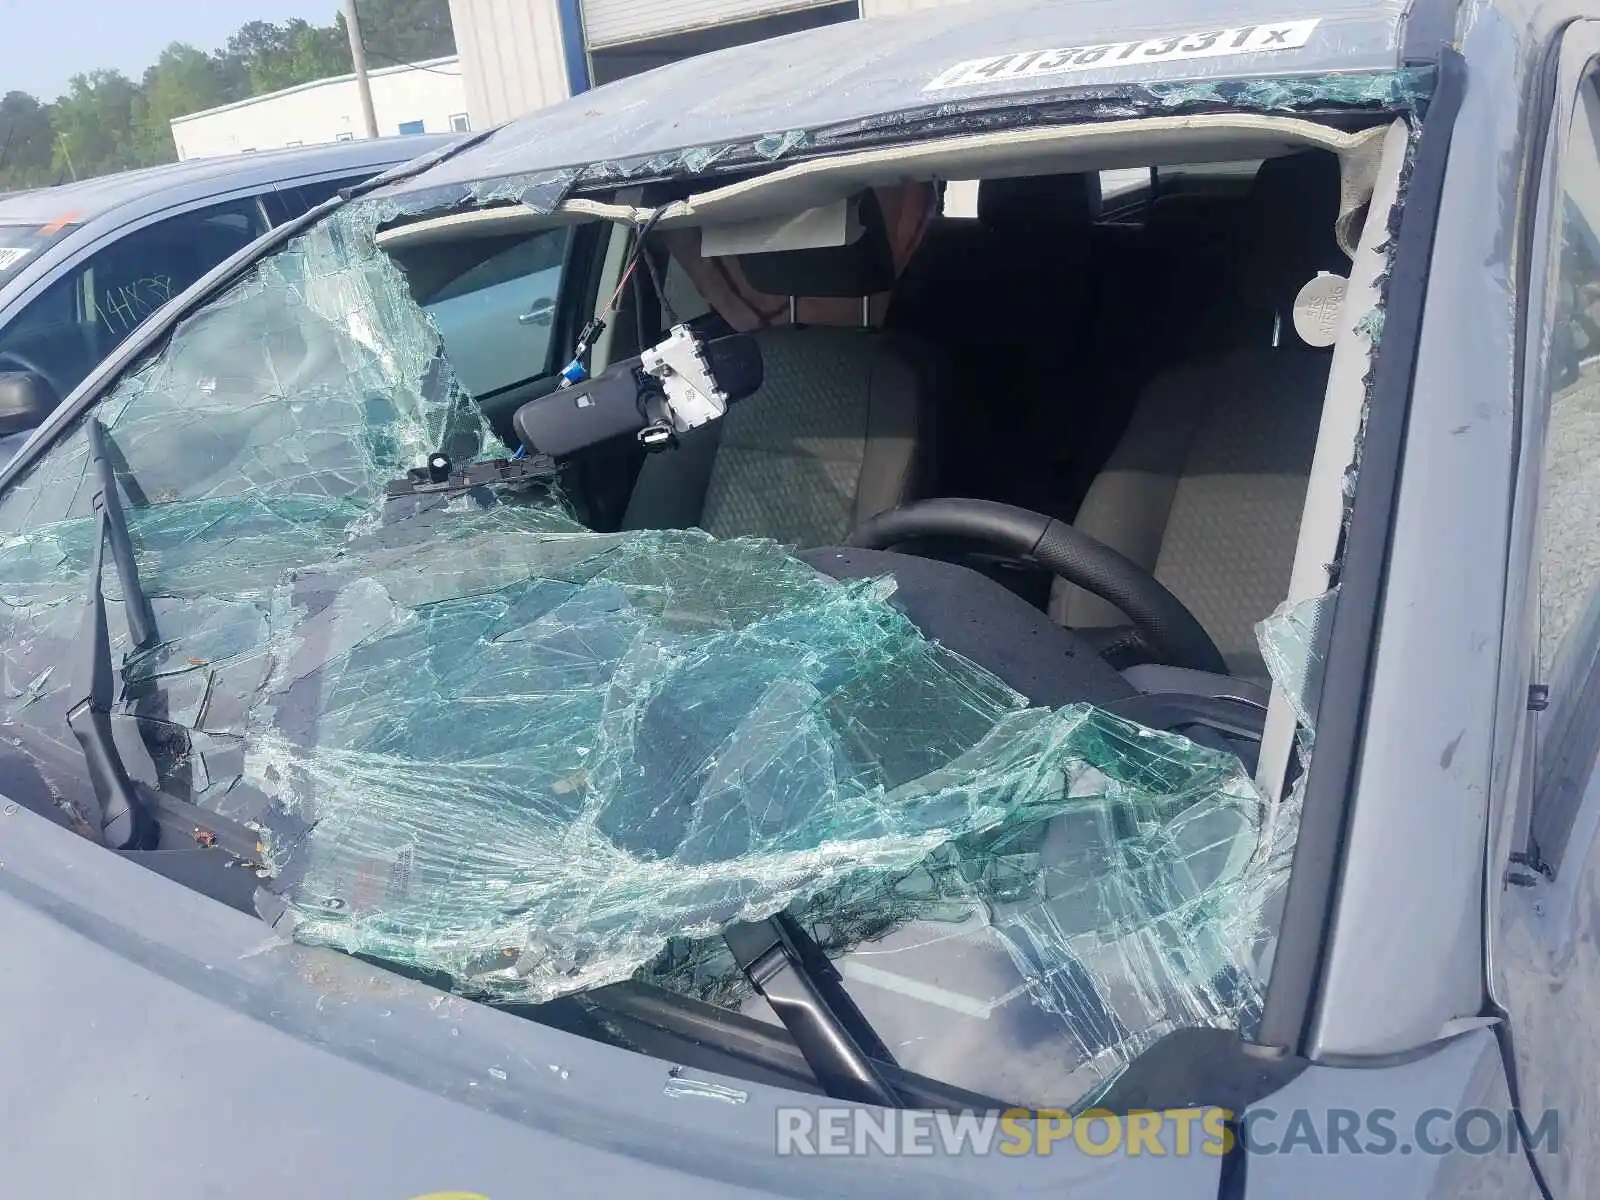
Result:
[[82, 264], [1110, 711]]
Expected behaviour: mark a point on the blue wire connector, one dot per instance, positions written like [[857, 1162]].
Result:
[[575, 372]]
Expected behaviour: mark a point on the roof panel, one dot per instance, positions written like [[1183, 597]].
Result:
[[91, 197], [883, 65]]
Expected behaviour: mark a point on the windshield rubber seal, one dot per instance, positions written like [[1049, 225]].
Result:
[[1300, 962], [1430, 28]]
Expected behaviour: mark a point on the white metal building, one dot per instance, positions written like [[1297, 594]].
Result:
[[518, 55], [425, 97]]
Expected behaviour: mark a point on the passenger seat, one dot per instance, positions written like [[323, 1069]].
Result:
[[1207, 486], [840, 431]]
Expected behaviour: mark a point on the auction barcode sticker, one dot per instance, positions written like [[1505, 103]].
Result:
[[1209, 43]]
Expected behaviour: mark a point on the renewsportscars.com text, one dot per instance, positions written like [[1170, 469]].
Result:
[[844, 1132]]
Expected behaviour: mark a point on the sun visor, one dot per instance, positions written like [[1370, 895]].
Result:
[[863, 266], [830, 226]]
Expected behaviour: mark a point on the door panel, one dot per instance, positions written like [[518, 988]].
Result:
[[1544, 876], [496, 317]]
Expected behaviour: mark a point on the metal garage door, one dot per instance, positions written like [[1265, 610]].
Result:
[[612, 22]]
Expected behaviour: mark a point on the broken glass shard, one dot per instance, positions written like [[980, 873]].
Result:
[[482, 740], [1294, 643]]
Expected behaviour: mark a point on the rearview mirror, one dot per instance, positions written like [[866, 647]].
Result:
[[26, 399]]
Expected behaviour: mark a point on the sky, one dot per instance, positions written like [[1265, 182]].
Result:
[[45, 47]]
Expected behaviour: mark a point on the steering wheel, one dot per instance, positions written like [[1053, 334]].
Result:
[[23, 363], [1169, 627]]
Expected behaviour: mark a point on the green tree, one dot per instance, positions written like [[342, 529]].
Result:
[[106, 122], [183, 80], [318, 51], [94, 124], [404, 31], [26, 151], [279, 56]]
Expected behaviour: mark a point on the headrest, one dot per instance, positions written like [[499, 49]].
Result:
[[1294, 214], [863, 267], [1039, 203]]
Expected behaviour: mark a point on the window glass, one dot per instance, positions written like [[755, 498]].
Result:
[[306, 196], [496, 316], [1567, 733], [19, 244], [423, 706], [66, 331], [1569, 560]]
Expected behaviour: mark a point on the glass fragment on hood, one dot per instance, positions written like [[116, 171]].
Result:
[[483, 740]]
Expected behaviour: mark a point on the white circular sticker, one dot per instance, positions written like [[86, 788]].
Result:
[[1317, 309]]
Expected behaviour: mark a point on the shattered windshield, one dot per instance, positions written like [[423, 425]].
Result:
[[481, 740]]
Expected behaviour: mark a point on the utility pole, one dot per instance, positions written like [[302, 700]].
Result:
[[358, 59]]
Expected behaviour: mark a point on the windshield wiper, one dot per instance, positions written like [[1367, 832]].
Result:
[[125, 822], [131, 814], [790, 970]]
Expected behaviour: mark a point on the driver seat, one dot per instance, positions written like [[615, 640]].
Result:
[[1207, 485], [840, 430]]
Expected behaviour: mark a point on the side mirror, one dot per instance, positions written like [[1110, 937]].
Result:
[[26, 399]]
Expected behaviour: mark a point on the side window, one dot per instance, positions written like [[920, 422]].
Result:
[[1568, 650], [66, 331], [306, 196], [495, 316]]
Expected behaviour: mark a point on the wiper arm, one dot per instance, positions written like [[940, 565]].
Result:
[[107, 500], [131, 814], [792, 973], [124, 821]]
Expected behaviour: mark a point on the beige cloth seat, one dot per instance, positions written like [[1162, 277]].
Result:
[[1206, 491], [840, 430], [1207, 485]]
